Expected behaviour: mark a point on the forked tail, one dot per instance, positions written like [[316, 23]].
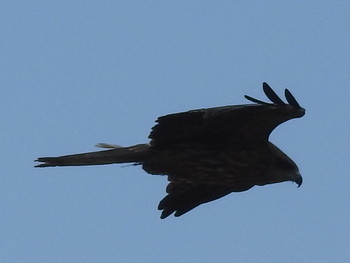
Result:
[[132, 154]]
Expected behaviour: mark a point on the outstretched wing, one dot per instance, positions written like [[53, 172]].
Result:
[[249, 124], [183, 197]]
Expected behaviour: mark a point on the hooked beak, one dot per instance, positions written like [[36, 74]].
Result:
[[299, 180]]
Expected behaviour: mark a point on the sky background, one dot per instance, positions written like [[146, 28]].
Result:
[[77, 73]]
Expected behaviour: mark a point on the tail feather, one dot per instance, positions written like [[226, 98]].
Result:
[[132, 154]]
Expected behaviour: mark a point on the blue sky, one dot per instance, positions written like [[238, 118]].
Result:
[[76, 73]]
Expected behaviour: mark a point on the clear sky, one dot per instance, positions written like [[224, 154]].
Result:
[[76, 73]]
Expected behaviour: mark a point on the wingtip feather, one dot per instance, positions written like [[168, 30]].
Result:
[[274, 98], [291, 99]]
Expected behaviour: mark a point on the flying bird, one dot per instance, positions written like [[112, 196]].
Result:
[[207, 153]]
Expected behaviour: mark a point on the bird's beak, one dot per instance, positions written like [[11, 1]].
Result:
[[299, 181]]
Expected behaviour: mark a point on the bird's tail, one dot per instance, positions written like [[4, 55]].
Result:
[[132, 154]]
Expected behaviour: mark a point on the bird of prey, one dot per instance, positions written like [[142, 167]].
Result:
[[207, 153]]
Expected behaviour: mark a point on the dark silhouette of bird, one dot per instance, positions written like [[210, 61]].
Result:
[[207, 153]]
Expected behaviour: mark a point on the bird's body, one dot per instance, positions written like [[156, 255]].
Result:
[[207, 153]]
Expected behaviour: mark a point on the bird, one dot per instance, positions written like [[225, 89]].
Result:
[[207, 153]]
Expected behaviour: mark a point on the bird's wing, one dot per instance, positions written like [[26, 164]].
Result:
[[183, 197], [250, 123]]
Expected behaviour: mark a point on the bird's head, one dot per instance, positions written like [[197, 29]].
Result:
[[283, 168]]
